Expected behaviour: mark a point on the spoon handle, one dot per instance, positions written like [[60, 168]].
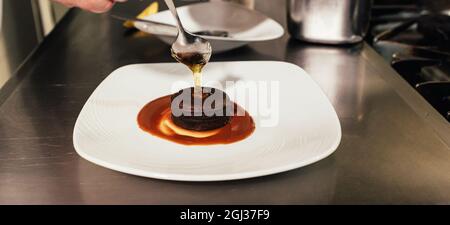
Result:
[[173, 10]]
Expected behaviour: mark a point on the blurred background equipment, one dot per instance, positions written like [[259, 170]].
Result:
[[24, 25], [414, 36], [329, 21]]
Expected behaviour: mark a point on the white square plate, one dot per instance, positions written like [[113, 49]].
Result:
[[106, 132]]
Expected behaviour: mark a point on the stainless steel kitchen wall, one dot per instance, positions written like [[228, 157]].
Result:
[[19, 35]]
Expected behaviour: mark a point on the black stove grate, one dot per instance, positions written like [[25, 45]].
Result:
[[418, 46]]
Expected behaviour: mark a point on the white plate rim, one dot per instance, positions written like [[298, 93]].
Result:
[[277, 25]]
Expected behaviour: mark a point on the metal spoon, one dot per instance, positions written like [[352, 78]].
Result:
[[191, 50], [187, 43]]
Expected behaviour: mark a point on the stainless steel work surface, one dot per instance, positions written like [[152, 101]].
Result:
[[390, 151]]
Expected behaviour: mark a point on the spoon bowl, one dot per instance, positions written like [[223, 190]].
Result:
[[188, 48]]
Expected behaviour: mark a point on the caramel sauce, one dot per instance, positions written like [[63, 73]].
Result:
[[195, 61], [155, 118]]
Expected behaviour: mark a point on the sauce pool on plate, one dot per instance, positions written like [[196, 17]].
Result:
[[155, 118]]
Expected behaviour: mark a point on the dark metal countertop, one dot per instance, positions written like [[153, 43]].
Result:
[[394, 148]]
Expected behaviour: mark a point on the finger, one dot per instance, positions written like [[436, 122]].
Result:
[[96, 6]]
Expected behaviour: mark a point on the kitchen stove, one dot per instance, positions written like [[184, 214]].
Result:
[[417, 43]]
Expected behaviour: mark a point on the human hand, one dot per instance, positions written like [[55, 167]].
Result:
[[96, 6]]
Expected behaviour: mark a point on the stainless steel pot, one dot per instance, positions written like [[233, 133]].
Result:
[[329, 21]]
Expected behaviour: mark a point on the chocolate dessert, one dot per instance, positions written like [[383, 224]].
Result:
[[211, 109]]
